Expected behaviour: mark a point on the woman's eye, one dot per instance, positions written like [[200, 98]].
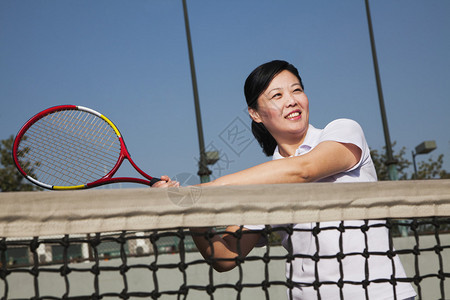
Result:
[[275, 96]]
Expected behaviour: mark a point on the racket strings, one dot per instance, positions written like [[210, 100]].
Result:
[[86, 131], [68, 148], [50, 155], [93, 140], [64, 154], [48, 158]]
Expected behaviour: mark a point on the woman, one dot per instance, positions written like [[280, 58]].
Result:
[[279, 109]]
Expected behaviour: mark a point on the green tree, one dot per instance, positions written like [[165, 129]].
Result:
[[10, 177], [432, 169], [380, 158], [429, 169]]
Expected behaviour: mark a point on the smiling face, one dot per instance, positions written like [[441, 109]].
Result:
[[283, 108]]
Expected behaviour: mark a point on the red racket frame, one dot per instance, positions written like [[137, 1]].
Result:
[[108, 178]]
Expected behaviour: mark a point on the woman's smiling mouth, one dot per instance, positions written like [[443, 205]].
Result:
[[295, 115]]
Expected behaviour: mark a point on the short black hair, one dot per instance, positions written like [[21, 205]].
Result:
[[255, 84]]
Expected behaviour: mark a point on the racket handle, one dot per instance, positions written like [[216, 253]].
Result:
[[154, 180]]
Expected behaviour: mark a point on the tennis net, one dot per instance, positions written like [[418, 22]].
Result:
[[136, 243]]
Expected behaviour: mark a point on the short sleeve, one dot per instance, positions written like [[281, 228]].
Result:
[[348, 132], [344, 131]]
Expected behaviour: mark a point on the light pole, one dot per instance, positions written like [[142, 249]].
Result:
[[391, 162], [423, 148], [203, 170]]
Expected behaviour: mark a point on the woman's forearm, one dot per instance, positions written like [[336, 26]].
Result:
[[327, 159], [277, 171], [213, 246], [223, 250]]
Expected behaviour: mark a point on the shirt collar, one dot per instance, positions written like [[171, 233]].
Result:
[[309, 142]]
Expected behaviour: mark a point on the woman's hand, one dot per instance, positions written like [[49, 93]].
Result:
[[166, 182]]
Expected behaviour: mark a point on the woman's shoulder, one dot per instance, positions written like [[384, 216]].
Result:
[[345, 131], [343, 122]]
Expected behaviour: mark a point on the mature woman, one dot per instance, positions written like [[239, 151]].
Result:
[[279, 109]]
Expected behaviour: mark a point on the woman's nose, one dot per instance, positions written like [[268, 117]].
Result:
[[290, 101]]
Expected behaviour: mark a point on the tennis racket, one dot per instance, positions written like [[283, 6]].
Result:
[[72, 147]]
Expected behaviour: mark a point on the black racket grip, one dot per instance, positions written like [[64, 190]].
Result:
[[154, 180]]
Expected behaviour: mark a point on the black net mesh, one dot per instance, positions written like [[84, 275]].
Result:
[[164, 264]]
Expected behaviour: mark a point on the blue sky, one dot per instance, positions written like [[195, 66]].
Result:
[[129, 61]]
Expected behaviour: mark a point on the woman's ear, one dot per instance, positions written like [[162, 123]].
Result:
[[254, 115]]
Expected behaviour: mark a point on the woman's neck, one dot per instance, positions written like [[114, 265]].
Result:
[[287, 150], [288, 147]]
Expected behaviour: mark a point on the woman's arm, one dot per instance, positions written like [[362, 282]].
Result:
[[326, 159], [227, 246]]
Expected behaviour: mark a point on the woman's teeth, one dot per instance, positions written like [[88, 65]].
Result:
[[293, 115]]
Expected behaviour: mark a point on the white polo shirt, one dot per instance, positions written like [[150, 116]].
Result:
[[353, 239]]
